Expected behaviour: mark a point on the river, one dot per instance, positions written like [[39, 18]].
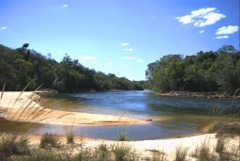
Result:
[[171, 116]]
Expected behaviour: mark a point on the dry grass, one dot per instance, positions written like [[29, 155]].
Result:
[[13, 145], [181, 153]]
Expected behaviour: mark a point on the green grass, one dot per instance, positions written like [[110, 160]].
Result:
[[122, 135], [124, 152], [70, 137], [49, 139]]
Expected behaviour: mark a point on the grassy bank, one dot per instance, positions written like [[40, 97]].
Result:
[[50, 148]]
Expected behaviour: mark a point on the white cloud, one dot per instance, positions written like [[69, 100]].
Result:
[[202, 11], [210, 19], [87, 58], [201, 17], [202, 31], [128, 57], [222, 37], [59, 52], [227, 30], [3, 28], [109, 63], [65, 5], [129, 49], [185, 19], [126, 66], [125, 44], [140, 60]]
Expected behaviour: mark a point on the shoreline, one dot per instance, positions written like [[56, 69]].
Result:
[[25, 107], [208, 95]]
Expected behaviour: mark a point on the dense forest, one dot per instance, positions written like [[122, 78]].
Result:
[[204, 72], [217, 71], [22, 66]]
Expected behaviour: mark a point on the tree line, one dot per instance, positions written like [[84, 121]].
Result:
[[204, 72], [22, 66]]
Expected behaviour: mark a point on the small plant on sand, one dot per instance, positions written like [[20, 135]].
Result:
[[124, 152], [225, 150], [49, 139], [102, 153], [181, 153], [42, 155], [85, 154], [13, 145], [203, 152], [70, 137], [156, 155], [122, 135]]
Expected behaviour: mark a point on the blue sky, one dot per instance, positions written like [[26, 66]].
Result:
[[119, 36]]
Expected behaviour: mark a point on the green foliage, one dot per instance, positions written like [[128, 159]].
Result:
[[203, 72], [22, 66]]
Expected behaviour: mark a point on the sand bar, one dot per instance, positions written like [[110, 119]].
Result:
[[24, 106]]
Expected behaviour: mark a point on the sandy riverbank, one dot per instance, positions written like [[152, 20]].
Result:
[[149, 148], [25, 106]]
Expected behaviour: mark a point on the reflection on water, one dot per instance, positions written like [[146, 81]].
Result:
[[172, 116], [17, 127]]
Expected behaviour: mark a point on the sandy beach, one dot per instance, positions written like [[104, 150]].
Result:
[[26, 106], [149, 148]]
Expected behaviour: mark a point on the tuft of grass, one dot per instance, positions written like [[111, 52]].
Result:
[[70, 137], [156, 155], [49, 139], [85, 154], [225, 153], [13, 145], [123, 152], [203, 152], [221, 128], [220, 146], [181, 153], [122, 135], [102, 153], [48, 156]]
